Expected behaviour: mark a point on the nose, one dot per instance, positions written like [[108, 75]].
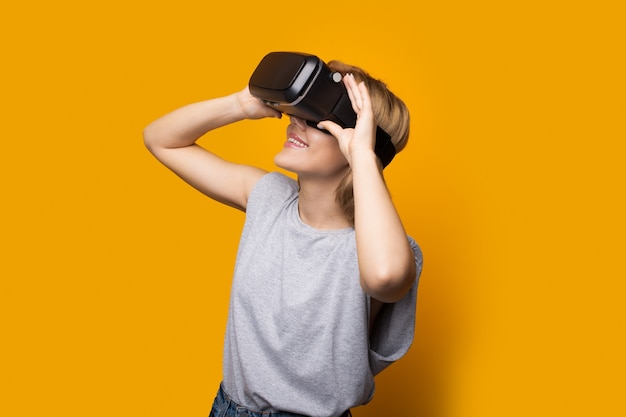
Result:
[[298, 122]]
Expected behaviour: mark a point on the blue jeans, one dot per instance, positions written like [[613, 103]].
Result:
[[224, 406]]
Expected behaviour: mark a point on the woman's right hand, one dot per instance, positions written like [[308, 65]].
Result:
[[253, 108]]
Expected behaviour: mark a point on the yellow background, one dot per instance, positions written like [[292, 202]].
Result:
[[115, 275]]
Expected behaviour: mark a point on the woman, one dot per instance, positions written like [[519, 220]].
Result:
[[324, 290]]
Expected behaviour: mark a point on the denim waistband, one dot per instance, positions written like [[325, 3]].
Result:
[[229, 408]]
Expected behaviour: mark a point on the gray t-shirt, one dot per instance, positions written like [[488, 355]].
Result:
[[297, 334]]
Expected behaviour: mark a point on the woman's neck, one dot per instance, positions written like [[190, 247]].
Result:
[[318, 208]]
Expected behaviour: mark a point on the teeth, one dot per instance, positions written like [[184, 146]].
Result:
[[297, 143]]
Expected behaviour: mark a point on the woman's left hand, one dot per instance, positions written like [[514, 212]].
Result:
[[363, 136]]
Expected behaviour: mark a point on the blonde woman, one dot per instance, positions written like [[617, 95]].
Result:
[[324, 290]]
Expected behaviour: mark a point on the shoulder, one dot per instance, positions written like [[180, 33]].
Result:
[[273, 188]]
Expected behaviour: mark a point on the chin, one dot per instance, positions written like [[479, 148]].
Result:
[[283, 162], [307, 165], [292, 161]]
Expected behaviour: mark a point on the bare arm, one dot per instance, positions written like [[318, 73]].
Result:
[[172, 140], [386, 260]]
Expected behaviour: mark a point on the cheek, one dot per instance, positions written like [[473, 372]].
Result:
[[333, 152], [330, 162], [324, 142]]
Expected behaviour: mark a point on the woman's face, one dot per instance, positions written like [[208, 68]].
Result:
[[310, 152]]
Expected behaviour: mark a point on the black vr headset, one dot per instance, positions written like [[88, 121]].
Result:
[[302, 85]]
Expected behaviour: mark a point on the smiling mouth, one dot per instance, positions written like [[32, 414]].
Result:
[[297, 143]]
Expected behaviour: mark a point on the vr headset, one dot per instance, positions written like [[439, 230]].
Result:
[[302, 85]]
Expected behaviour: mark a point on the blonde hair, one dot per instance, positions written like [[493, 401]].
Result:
[[390, 113]]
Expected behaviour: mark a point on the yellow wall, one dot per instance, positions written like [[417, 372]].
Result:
[[115, 275]]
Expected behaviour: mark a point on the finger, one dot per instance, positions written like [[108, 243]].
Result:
[[364, 95], [332, 127], [348, 81], [353, 93], [267, 111], [358, 97]]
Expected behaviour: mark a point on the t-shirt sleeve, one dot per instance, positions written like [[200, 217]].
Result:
[[272, 190], [394, 328]]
